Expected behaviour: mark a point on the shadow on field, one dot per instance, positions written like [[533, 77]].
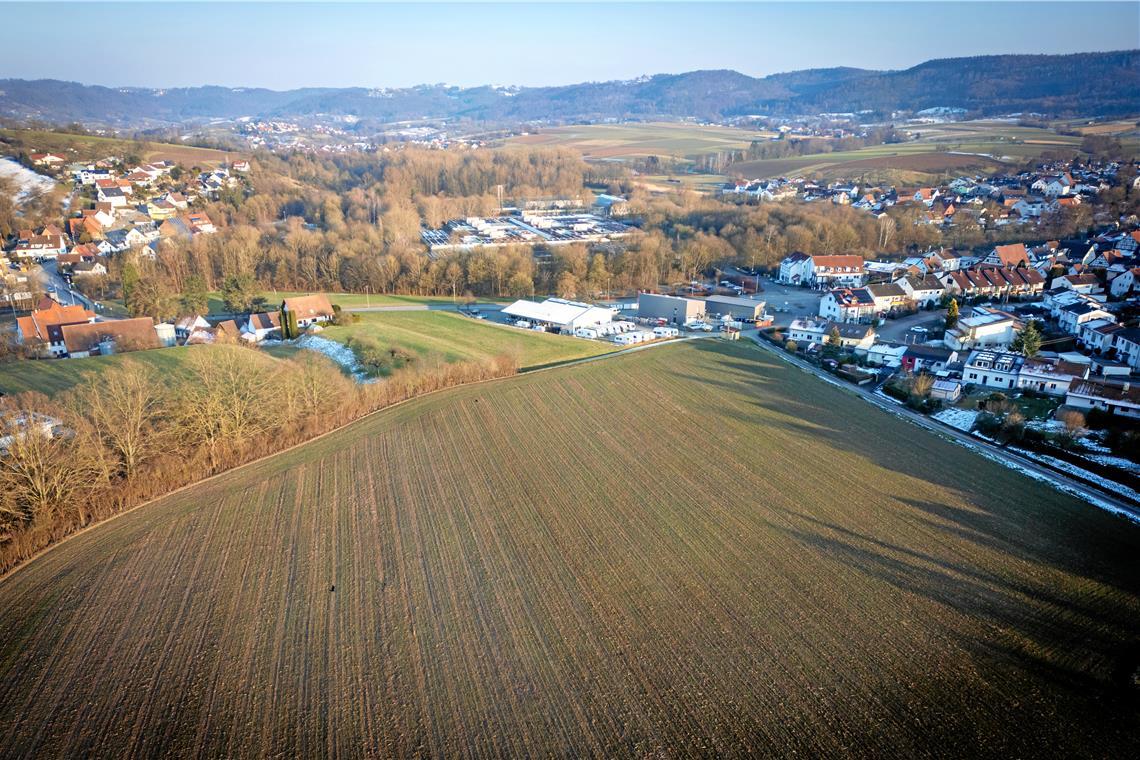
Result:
[[1030, 567]]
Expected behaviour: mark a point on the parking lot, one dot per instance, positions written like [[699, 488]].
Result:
[[786, 302]]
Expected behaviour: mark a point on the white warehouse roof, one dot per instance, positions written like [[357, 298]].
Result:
[[559, 311]]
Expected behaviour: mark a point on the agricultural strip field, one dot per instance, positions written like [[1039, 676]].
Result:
[[454, 337], [690, 551], [624, 141]]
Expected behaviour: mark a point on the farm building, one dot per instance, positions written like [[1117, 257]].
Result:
[[566, 316], [737, 308], [673, 309]]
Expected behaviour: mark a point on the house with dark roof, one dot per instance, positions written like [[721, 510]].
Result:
[[1121, 399]]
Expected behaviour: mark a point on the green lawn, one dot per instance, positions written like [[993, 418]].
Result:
[[52, 376], [455, 337]]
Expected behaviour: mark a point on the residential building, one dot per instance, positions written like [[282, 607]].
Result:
[[261, 326], [795, 269], [41, 330], [993, 369], [1121, 399], [847, 305], [101, 338], [984, 328], [830, 271], [309, 309], [920, 357]]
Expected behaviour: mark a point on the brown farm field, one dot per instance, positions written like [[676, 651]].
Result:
[[693, 550]]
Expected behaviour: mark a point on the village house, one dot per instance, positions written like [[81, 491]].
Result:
[[1071, 317], [309, 309], [992, 369], [1011, 256], [1097, 335], [919, 357], [1082, 283], [830, 271], [923, 291], [1124, 282], [847, 305], [102, 338], [261, 326], [808, 332], [1121, 399], [41, 332], [888, 296], [984, 328], [795, 269], [188, 325], [50, 160]]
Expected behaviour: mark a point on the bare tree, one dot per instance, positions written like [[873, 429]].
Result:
[[128, 412]]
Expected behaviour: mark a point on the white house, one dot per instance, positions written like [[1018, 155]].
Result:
[[923, 291], [993, 369], [830, 271], [261, 326], [847, 305], [795, 269], [984, 328], [1071, 317]]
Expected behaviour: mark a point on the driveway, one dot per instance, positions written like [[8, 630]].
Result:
[[899, 330]]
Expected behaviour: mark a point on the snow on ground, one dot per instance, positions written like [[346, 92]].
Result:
[[1108, 460], [338, 352], [962, 419], [1109, 485], [28, 183]]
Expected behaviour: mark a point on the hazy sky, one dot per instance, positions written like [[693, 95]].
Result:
[[285, 45]]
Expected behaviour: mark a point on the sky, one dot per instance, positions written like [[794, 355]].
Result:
[[288, 45]]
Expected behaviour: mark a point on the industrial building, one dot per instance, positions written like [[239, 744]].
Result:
[[672, 309], [732, 306], [565, 316]]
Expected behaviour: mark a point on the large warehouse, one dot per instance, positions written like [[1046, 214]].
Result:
[[673, 309], [737, 308], [559, 313]]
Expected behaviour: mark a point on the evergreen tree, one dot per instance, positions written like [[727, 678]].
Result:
[[952, 314], [1028, 340]]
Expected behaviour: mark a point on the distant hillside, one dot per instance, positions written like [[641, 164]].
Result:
[[1086, 84]]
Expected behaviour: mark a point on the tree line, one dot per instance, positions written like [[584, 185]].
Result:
[[129, 434]]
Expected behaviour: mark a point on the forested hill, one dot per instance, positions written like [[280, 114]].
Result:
[[1086, 84]]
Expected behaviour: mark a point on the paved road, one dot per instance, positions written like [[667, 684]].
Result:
[[53, 283], [1057, 478]]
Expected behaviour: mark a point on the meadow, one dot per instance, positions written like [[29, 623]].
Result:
[[690, 551], [454, 337], [52, 376]]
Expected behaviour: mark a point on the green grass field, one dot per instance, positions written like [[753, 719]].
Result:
[[52, 376], [454, 337], [694, 550]]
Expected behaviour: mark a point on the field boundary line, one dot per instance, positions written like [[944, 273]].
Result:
[[260, 460]]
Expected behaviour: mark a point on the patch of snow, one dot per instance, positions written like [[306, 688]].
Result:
[[28, 183], [338, 352], [1108, 460], [960, 419], [1080, 472]]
